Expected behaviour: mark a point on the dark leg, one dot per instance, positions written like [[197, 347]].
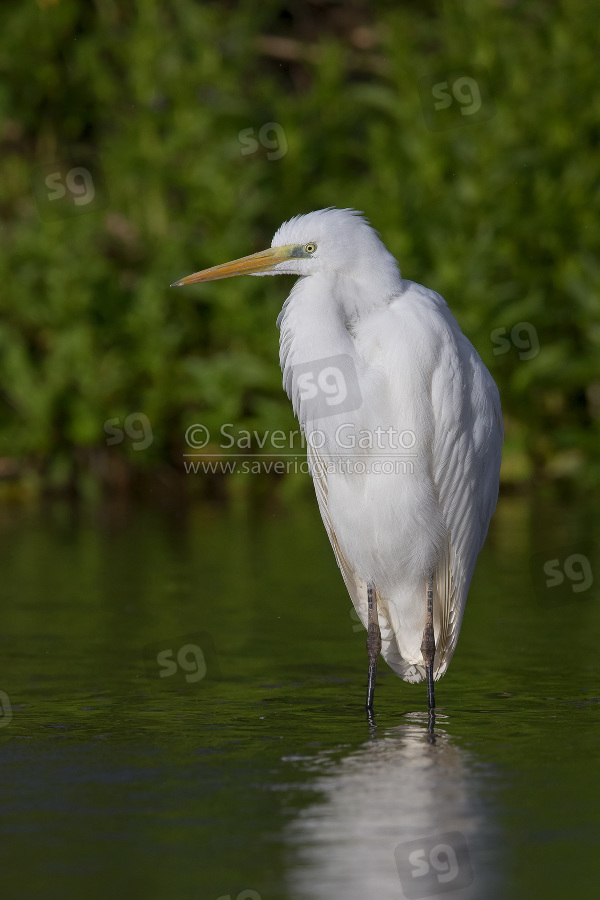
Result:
[[373, 643], [431, 727], [428, 643]]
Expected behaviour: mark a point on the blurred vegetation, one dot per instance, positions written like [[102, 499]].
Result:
[[161, 101]]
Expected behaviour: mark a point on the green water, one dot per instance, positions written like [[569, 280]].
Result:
[[260, 777]]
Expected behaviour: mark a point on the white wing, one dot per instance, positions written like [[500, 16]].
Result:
[[438, 382], [355, 585], [466, 465]]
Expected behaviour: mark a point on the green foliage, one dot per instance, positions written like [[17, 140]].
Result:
[[499, 214]]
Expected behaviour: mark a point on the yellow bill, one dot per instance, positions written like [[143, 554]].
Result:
[[262, 261]]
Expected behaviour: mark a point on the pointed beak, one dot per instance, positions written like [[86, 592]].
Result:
[[248, 265]]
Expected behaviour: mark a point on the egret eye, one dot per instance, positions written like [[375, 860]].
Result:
[[310, 248]]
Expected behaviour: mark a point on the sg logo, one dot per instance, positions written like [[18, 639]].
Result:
[[576, 567], [523, 336], [326, 386], [329, 380], [67, 188], [183, 662], [78, 181], [433, 865], [565, 575], [465, 91], [190, 658], [141, 437], [276, 146], [455, 98]]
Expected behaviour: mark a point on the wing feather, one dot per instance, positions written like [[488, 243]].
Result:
[[466, 465], [355, 585], [463, 452]]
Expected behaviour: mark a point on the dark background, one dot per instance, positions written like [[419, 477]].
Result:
[[141, 141]]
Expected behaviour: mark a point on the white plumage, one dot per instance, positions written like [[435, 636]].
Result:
[[410, 371], [417, 373]]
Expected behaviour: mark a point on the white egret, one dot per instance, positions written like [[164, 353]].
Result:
[[377, 365]]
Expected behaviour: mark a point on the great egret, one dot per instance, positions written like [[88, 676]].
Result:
[[378, 364]]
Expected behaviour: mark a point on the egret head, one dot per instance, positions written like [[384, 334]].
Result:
[[335, 241]]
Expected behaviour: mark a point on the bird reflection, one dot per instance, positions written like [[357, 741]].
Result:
[[406, 784]]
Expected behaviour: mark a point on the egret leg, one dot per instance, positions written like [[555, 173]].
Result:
[[373, 643], [431, 727], [428, 643]]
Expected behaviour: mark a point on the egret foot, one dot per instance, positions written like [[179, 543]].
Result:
[[373, 643], [428, 644]]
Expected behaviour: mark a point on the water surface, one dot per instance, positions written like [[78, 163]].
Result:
[[249, 771]]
